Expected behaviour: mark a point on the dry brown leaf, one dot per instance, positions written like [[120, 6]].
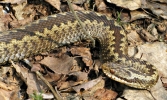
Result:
[[129, 4], [13, 1], [9, 95], [85, 53], [130, 94], [4, 22], [164, 79], [157, 92], [104, 94], [138, 15], [101, 6], [134, 38], [25, 13], [78, 1], [165, 85], [162, 1], [52, 76], [20, 10], [87, 85], [75, 7], [89, 94], [63, 85], [29, 78], [158, 9], [81, 76], [6, 86], [67, 85], [61, 65], [55, 3], [36, 67], [146, 35]]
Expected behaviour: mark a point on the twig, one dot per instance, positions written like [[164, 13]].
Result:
[[56, 95], [80, 22]]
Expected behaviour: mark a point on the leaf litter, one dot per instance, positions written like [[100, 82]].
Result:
[[76, 70]]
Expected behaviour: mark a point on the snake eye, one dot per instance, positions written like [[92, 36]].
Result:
[[112, 72]]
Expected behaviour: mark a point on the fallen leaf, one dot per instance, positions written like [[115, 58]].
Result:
[[138, 15], [78, 1], [101, 6], [13, 1], [158, 91], [36, 67], [87, 85], [54, 3], [81, 76], [62, 65], [33, 84], [75, 7], [130, 94], [53, 77], [9, 95], [84, 53], [105, 94], [128, 4]]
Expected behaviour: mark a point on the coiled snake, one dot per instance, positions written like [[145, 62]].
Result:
[[56, 30]]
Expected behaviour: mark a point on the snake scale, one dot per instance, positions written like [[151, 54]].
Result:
[[57, 30]]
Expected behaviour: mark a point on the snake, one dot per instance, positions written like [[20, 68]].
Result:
[[61, 29]]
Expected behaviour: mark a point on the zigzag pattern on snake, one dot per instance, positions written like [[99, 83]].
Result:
[[57, 30]]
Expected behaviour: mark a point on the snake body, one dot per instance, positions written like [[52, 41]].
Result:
[[57, 30]]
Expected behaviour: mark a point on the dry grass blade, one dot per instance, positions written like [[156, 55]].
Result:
[[80, 22]]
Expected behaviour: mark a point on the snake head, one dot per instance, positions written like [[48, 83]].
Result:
[[133, 75]]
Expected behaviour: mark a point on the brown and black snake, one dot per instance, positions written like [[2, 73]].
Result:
[[57, 30]]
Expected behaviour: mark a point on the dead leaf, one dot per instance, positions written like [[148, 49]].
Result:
[[101, 6], [146, 35], [9, 95], [67, 85], [6, 86], [130, 94], [128, 4], [134, 38], [104, 94], [75, 7], [89, 94], [164, 79], [81, 76], [85, 53], [61, 65], [13, 1], [158, 9], [55, 3], [30, 79], [78, 1], [36, 67], [158, 91], [53, 77], [138, 15], [87, 85], [155, 93]]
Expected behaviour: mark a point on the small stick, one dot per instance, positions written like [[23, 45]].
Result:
[[49, 85], [56, 95]]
